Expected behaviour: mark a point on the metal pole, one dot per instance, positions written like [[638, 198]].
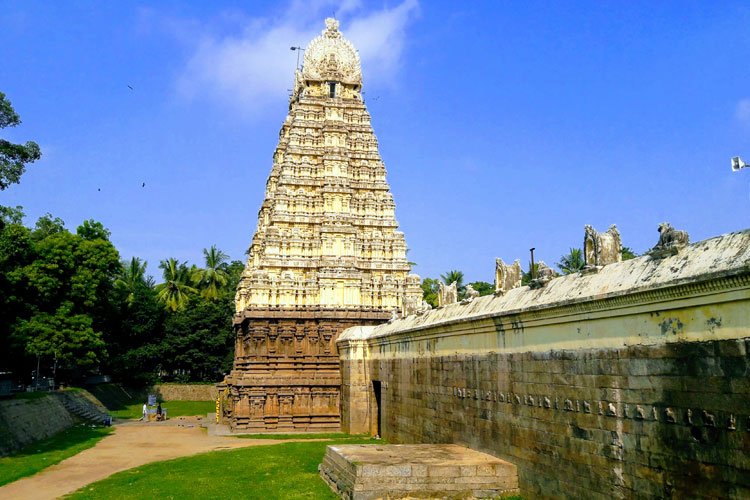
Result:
[[533, 272]]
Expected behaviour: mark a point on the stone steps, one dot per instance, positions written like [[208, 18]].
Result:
[[84, 408]]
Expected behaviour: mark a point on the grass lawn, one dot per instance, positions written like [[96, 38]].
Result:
[[287, 470], [42, 454], [174, 409]]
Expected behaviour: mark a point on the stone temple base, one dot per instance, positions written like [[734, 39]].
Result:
[[365, 472]]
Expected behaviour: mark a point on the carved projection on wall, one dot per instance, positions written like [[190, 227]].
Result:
[[448, 294], [600, 249], [507, 276]]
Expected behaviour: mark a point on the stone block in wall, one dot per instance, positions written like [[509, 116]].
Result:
[[23, 421], [186, 392]]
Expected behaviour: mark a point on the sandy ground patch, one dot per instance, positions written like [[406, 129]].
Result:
[[132, 444]]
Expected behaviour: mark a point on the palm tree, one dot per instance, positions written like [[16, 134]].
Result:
[[132, 275], [176, 290], [458, 277], [214, 277], [571, 262]]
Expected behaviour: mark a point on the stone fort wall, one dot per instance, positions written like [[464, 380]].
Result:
[[629, 382]]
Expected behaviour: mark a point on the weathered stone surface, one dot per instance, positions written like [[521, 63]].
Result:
[[326, 254], [600, 249], [416, 471], [507, 276], [630, 382]]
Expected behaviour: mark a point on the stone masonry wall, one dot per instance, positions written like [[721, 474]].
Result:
[[23, 421], [186, 392], [629, 381], [645, 421]]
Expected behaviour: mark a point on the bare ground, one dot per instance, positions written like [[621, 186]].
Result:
[[131, 444]]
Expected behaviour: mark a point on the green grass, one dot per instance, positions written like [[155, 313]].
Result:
[[174, 409], [284, 471], [42, 454]]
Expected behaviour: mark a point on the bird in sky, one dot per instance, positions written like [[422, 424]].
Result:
[[143, 185], [131, 88]]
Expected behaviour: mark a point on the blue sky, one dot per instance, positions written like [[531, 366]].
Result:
[[503, 125]]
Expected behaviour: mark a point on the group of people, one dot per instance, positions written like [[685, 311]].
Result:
[[159, 413]]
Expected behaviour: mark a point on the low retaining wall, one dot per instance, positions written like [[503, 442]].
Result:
[[630, 382], [186, 392], [23, 421]]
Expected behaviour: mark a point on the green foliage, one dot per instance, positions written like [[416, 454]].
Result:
[[13, 157], [67, 302], [11, 215], [42, 454], [483, 288], [457, 277], [54, 295], [131, 277], [176, 290], [92, 230], [572, 262], [287, 470], [527, 275], [214, 276], [66, 337], [430, 291], [628, 253]]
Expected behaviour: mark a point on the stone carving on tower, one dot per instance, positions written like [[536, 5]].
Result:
[[326, 254]]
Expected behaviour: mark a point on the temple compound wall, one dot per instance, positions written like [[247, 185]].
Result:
[[625, 380]]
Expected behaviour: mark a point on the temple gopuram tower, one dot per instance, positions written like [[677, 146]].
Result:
[[326, 254]]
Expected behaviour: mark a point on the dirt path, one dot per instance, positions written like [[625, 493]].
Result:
[[132, 444]]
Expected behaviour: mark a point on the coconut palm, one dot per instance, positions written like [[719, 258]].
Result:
[[176, 290], [214, 277], [571, 262], [458, 277], [132, 275]]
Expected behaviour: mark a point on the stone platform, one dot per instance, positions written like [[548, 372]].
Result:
[[365, 472]]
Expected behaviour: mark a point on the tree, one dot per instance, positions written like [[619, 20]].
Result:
[[571, 262], [214, 276], [457, 276], [176, 289], [68, 338], [528, 276], [628, 253], [130, 278], [13, 157], [56, 293], [483, 288], [430, 291], [11, 215]]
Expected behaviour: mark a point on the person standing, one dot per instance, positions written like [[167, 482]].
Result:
[[145, 413]]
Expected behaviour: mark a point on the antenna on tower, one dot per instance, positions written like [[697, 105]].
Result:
[[298, 50]]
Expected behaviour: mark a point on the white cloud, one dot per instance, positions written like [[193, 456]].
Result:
[[255, 67], [743, 110]]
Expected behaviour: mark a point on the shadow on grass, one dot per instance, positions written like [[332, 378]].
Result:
[[286, 470]]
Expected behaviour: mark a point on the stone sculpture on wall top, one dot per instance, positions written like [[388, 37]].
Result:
[[507, 276], [448, 294], [600, 249], [544, 274], [671, 240], [470, 295]]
